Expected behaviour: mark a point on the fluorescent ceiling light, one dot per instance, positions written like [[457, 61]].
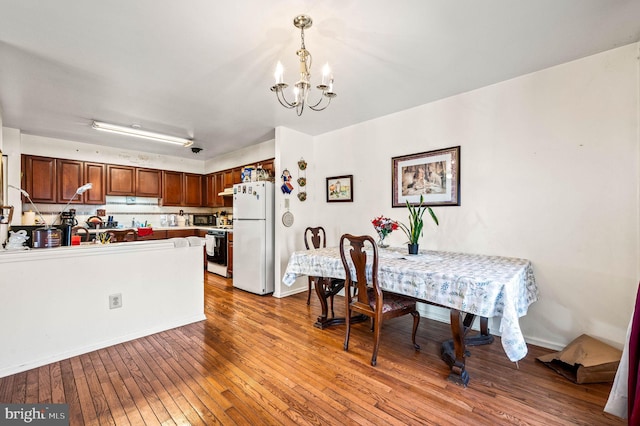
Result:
[[139, 133]]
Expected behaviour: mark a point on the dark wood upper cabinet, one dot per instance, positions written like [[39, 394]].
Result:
[[192, 190], [94, 173], [121, 180], [70, 177], [209, 187], [172, 188], [39, 178], [148, 183]]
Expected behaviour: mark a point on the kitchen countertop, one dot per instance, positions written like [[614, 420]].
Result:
[[161, 228]]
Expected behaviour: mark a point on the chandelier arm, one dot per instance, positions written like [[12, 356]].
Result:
[[283, 100], [320, 109], [318, 103]]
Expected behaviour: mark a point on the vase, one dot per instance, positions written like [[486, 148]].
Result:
[[413, 248], [381, 243]]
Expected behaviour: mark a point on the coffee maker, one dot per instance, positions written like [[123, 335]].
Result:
[[67, 222]]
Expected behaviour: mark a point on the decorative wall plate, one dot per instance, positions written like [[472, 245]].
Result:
[[287, 219]]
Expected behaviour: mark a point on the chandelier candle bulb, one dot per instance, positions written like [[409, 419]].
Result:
[[279, 74]]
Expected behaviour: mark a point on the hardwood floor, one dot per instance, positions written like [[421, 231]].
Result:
[[258, 360]]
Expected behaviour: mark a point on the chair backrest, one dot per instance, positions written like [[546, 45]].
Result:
[[315, 237], [82, 231], [121, 235], [359, 247]]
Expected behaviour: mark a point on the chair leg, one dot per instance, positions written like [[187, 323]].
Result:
[[376, 341], [416, 321], [347, 323], [309, 292]]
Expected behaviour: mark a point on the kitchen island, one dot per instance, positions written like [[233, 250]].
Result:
[[56, 302]]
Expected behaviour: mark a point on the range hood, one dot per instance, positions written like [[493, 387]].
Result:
[[227, 192]]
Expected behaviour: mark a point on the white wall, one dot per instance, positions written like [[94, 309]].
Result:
[[549, 173], [61, 148], [11, 148], [292, 146], [241, 157]]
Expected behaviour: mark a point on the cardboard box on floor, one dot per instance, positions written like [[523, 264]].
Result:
[[585, 360]]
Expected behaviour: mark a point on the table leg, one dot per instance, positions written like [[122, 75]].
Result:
[[484, 338], [453, 352]]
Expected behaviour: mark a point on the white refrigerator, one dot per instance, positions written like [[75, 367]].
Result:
[[253, 243]]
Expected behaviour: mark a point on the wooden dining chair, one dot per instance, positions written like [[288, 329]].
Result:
[[82, 231], [367, 300], [121, 235], [316, 237]]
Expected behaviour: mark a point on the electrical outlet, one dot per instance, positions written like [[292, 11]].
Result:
[[115, 301]]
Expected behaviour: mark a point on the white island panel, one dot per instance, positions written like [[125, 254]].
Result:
[[55, 302]]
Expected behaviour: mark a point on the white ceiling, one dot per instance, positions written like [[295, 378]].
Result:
[[203, 68]]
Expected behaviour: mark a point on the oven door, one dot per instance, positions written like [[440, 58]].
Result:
[[216, 247]]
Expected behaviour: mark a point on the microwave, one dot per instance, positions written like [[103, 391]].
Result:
[[204, 220]]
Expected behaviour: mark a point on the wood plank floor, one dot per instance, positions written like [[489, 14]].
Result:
[[258, 360]]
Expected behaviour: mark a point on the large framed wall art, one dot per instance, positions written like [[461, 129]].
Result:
[[434, 175]]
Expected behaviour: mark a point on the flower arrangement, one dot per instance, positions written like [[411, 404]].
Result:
[[416, 223], [384, 226]]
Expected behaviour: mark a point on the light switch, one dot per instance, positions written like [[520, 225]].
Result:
[[286, 203]]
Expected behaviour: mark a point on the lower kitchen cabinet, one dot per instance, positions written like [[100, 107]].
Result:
[[157, 235], [182, 233], [230, 254]]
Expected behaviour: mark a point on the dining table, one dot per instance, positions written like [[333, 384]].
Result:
[[469, 285]]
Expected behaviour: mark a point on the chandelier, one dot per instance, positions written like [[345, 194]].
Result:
[[302, 87]]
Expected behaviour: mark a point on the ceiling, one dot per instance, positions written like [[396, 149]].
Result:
[[203, 68]]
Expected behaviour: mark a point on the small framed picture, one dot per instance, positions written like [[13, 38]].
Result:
[[340, 188], [433, 175]]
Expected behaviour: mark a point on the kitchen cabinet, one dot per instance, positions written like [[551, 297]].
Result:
[[237, 174], [209, 188], [217, 181], [192, 192], [55, 180], [181, 233], [229, 254], [148, 183], [121, 180], [181, 189], [39, 178], [70, 177], [157, 235], [94, 173], [171, 188]]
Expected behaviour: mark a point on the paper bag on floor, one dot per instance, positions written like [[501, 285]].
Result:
[[585, 360]]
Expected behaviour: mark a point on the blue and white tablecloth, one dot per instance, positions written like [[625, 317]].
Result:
[[487, 286]]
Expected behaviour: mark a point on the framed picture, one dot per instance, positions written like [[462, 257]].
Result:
[[435, 175], [340, 188]]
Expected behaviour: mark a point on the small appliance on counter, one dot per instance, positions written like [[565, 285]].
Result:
[[67, 222], [47, 237], [204, 220]]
